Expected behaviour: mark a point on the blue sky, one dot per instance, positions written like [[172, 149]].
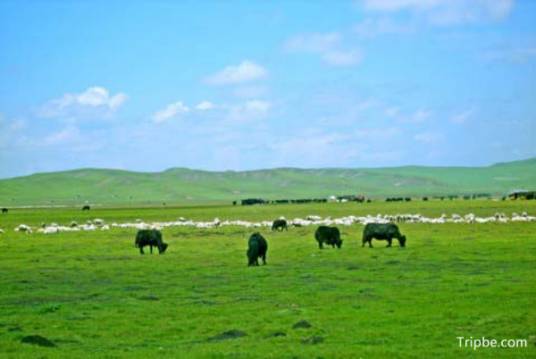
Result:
[[244, 85]]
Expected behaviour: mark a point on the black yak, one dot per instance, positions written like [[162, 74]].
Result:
[[328, 235], [257, 248], [279, 224], [86, 208], [383, 231], [4, 210], [150, 237]]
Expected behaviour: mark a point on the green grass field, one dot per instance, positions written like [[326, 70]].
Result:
[[185, 186], [93, 295]]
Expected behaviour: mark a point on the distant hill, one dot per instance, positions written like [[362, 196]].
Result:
[[183, 186]]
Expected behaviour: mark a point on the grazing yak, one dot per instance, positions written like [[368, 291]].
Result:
[[279, 224], [86, 208], [4, 210], [150, 237], [383, 231], [328, 235], [257, 248]]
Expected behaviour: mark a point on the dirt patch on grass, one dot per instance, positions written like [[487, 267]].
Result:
[[37, 340], [229, 334], [302, 324], [277, 334]]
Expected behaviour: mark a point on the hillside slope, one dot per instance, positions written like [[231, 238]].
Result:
[[182, 186]]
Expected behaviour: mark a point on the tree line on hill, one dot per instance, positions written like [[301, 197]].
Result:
[[528, 195]]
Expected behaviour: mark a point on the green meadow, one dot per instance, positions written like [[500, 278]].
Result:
[[91, 294]]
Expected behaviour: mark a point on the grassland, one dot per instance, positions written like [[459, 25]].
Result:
[[185, 186], [93, 295]]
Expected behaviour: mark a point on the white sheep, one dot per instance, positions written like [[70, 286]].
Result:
[[23, 228]]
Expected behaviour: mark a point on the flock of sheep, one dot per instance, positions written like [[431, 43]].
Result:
[[312, 220]]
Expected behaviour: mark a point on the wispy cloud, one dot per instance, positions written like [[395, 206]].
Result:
[[420, 115], [246, 71], [68, 134], [235, 112], [342, 58], [204, 106], [170, 111], [94, 98], [462, 117]]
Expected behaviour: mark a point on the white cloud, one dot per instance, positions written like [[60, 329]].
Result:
[[204, 106], [462, 117], [242, 111], [342, 58], [170, 111], [246, 71], [93, 98], [446, 12], [428, 137], [117, 100], [327, 45]]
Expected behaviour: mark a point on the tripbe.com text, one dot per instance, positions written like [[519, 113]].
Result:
[[477, 343]]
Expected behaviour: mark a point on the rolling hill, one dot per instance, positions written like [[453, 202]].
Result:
[[186, 186]]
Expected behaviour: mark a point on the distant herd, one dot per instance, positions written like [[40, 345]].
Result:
[[379, 228], [258, 246]]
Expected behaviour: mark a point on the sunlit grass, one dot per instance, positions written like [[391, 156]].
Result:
[[92, 294]]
